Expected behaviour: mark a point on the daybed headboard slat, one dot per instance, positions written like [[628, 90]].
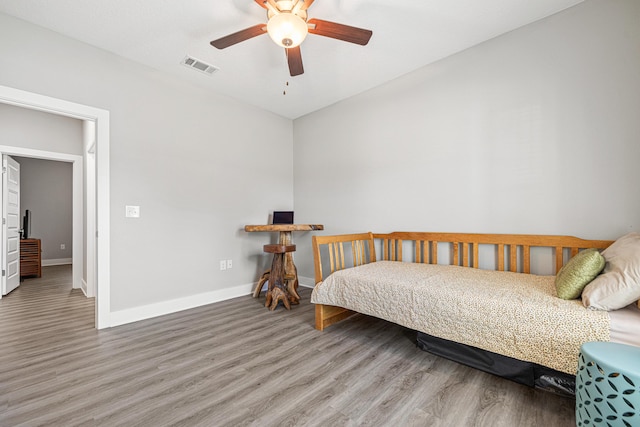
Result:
[[434, 252], [526, 259], [456, 255], [559, 258], [500, 257], [332, 263], [465, 254], [476, 259], [358, 252], [513, 258], [354, 253]]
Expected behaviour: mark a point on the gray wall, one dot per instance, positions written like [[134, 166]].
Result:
[[46, 190], [193, 160], [535, 131]]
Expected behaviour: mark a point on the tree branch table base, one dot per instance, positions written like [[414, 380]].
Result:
[[282, 286], [283, 275]]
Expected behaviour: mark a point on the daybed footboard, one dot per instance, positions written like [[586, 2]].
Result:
[[501, 252], [343, 251]]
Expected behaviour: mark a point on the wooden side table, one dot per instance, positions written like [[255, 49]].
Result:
[[30, 258], [283, 275]]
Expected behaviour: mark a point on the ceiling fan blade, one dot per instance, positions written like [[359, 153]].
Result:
[[294, 58], [240, 36], [339, 31]]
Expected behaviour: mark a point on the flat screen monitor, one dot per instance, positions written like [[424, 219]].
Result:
[[26, 224], [283, 217]]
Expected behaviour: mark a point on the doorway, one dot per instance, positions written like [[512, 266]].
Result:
[[98, 121], [77, 255]]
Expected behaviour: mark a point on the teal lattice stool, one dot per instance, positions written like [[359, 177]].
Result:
[[608, 385]]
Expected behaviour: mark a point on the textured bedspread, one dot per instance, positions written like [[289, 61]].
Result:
[[513, 314]]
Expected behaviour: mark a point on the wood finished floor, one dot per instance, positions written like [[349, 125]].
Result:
[[235, 363]]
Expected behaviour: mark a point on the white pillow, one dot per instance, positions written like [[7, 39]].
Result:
[[619, 284]]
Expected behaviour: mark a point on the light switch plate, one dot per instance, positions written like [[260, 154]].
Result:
[[132, 211]]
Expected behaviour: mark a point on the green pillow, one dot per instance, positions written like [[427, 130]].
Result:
[[578, 272]]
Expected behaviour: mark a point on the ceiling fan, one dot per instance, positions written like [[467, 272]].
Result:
[[288, 26]]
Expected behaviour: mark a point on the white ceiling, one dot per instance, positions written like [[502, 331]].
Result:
[[406, 36]]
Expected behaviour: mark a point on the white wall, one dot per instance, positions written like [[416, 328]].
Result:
[[193, 160], [21, 127], [46, 190], [535, 131]]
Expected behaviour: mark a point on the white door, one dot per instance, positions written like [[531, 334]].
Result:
[[10, 224]]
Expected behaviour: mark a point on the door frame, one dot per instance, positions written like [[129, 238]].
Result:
[[102, 242]]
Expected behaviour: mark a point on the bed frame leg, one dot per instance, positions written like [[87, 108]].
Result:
[[327, 315]]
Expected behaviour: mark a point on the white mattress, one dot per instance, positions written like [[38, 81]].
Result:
[[514, 314], [624, 326]]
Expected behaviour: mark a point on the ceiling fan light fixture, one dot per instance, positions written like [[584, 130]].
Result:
[[287, 30]]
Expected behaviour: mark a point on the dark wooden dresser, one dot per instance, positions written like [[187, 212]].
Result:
[[30, 258]]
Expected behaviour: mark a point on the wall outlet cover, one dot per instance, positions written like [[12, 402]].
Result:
[[132, 211]]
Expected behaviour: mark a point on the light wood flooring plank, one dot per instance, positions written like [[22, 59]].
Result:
[[235, 363]]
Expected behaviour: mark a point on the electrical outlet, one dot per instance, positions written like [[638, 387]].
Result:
[[223, 265], [229, 264], [62, 246], [132, 211]]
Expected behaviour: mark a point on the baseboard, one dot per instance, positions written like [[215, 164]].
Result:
[[307, 282], [149, 311], [83, 286], [59, 261]]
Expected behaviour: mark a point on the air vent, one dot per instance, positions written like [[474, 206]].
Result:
[[196, 64]]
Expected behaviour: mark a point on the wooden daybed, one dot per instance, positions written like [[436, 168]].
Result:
[[485, 300]]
